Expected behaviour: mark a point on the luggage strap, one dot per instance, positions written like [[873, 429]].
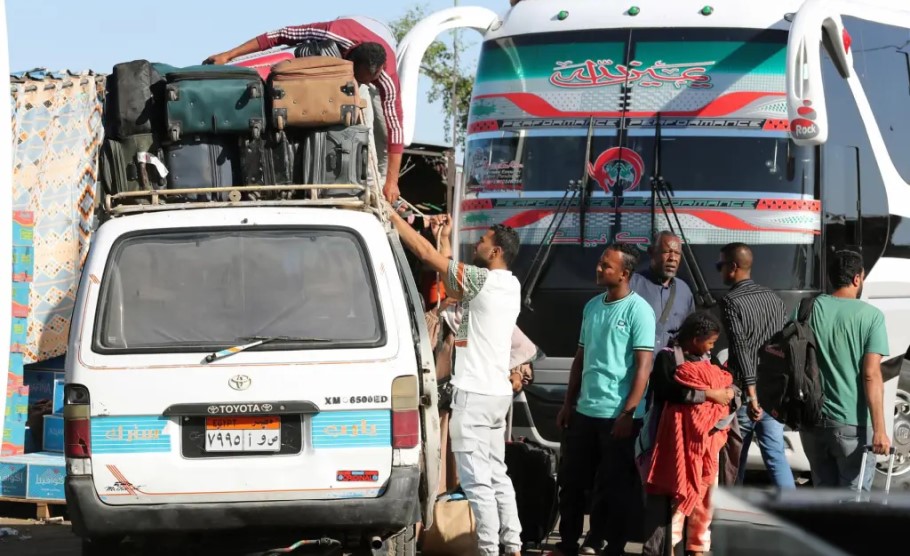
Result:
[[669, 306], [149, 158]]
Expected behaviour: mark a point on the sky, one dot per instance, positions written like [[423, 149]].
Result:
[[96, 34]]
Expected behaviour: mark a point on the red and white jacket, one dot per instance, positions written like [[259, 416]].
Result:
[[349, 34]]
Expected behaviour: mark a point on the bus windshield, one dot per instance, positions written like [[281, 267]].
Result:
[[725, 149]]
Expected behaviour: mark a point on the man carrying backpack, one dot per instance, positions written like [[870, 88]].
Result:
[[850, 341], [368, 47], [752, 315]]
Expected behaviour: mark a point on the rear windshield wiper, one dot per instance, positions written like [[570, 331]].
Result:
[[254, 341]]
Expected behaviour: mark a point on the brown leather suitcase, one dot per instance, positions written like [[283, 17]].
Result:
[[314, 91]]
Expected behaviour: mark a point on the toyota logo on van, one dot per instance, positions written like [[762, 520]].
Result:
[[240, 382]]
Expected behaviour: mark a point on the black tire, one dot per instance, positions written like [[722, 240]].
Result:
[[100, 547], [900, 439], [402, 544]]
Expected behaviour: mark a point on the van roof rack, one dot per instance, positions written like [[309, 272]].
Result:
[[133, 202]]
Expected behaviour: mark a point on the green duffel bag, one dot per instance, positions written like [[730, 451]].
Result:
[[131, 164], [214, 99]]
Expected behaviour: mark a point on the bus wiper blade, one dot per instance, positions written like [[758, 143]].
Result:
[[542, 256], [258, 341], [662, 192]]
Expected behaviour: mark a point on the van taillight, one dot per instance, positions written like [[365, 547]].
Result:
[[77, 430], [405, 415]]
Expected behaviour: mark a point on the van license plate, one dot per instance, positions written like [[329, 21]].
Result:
[[242, 434]]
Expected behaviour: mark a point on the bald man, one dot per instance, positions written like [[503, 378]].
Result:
[[752, 315], [669, 296]]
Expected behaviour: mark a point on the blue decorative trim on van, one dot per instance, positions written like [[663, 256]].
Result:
[[352, 429], [130, 435]]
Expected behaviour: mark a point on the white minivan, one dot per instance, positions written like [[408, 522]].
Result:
[[250, 368]]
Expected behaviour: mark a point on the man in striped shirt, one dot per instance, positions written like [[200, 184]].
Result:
[[752, 314], [374, 64]]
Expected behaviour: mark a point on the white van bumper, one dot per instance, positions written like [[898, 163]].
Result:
[[397, 508]]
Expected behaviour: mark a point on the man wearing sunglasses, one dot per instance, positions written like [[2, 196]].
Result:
[[752, 314]]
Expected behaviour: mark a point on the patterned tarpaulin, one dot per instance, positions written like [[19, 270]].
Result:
[[57, 134]]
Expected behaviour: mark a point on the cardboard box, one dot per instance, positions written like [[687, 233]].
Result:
[[23, 263], [16, 362], [15, 377], [14, 422], [21, 292], [19, 335], [45, 385], [17, 405], [23, 227], [44, 476], [52, 437], [13, 479], [45, 480]]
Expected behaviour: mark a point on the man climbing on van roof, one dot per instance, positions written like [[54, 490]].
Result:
[[374, 64]]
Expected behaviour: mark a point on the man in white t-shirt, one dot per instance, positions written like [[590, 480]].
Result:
[[491, 300]]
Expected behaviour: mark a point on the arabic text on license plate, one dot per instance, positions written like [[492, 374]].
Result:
[[242, 434]]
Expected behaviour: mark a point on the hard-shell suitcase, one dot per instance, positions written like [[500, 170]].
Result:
[[214, 99], [267, 161], [134, 100], [131, 164], [533, 469], [336, 155], [862, 471], [202, 162], [313, 91]]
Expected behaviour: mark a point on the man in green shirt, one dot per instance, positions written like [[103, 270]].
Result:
[[603, 410], [852, 340]]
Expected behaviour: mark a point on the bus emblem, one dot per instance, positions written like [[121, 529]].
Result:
[[617, 166]]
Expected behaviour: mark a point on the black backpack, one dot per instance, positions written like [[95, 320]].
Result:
[[314, 47], [788, 383]]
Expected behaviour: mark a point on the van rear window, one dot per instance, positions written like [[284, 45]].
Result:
[[199, 289]]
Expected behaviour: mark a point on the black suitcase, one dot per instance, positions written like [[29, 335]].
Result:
[[336, 155], [131, 163], [267, 162], [532, 468], [201, 161], [134, 103]]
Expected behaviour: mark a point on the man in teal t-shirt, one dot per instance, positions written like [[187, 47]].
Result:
[[852, 340], [602, 410]]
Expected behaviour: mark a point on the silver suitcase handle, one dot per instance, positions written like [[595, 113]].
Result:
[[862, 471]]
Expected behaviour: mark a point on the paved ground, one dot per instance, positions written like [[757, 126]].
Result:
[[46, 540], [56, 539]]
